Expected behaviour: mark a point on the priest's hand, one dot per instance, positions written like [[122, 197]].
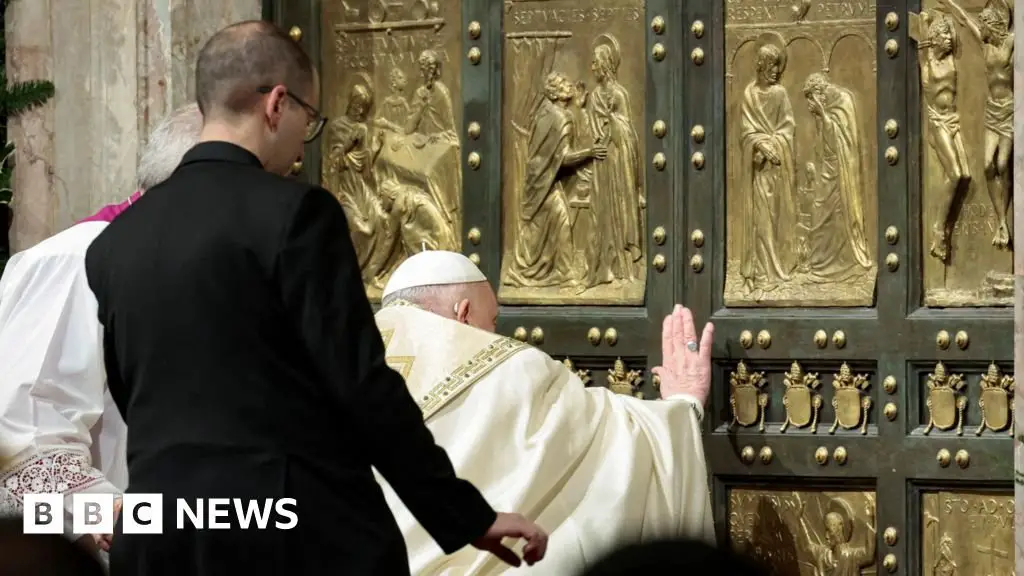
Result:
[[686, 362], [514, 526], [103, 541]]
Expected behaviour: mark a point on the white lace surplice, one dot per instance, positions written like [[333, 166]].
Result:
[[59, 428]]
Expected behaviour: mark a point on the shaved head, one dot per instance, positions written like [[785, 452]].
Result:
[[243, 58]]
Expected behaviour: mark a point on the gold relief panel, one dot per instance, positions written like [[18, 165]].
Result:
[[965, 57], [624, 377], [954, 400], [801, 400], [797, 401], [967, 533], [850, 400], [582, 374], [945, 400], [391, 87], [748, 398], [573, 160], [995, 399], [801, 199], [623, 381], [805, 533]]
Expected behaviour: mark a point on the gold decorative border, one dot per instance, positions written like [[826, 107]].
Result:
[[467, 374], [400, 364]]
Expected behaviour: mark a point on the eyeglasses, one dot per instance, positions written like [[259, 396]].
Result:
[[316, 122]]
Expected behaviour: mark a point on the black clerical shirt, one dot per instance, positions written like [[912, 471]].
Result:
[[243, 354]]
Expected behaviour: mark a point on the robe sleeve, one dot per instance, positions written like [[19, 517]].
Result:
[[660, 442], [52, 382], [698, 410], [322, 289]]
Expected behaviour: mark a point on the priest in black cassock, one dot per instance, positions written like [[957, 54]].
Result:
[[242, 352]]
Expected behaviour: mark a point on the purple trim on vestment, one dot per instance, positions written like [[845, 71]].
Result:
[[111, 211]]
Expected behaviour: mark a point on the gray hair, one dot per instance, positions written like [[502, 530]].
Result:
[[168, 143], [429, 297]]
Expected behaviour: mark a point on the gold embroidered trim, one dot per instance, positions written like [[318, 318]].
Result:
[[467, 374], [400, 364]]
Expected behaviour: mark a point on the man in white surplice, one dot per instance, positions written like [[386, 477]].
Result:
[[59, 428], [596, 469]]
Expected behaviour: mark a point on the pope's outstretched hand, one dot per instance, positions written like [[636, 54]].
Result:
[[686, 361], [514, 526]]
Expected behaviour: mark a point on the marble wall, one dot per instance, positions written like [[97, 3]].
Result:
[[119, 67]]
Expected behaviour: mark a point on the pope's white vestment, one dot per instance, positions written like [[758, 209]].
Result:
[[595, 469], [59, 428]]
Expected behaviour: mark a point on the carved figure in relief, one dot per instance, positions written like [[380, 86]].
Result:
[[967, 533], [431, 108], [393, 112], [419, 175], [349, 160], [837, 240], [809, 533], [395, 124], [836, 554], [614, 251], [945, 565], [543, 248], [937, 61], [767, 252], [420, 223], [423, 151], [993, 30]]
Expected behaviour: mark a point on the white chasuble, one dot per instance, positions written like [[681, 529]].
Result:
[[595, 469], [60, 431]]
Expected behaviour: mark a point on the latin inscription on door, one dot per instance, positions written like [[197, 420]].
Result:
[[805, 533], [967, 533]]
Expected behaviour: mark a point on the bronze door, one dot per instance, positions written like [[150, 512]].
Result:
[[533, 135], [781, 168], [861, 419]]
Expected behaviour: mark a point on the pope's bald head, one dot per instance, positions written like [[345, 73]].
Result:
[[241, 59]]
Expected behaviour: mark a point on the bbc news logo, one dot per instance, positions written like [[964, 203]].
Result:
[[144, 514]]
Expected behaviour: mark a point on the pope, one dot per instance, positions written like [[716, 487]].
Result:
[[599, 470]]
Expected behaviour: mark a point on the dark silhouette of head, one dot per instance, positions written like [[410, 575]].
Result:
[[673, 558], [257, 88]]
